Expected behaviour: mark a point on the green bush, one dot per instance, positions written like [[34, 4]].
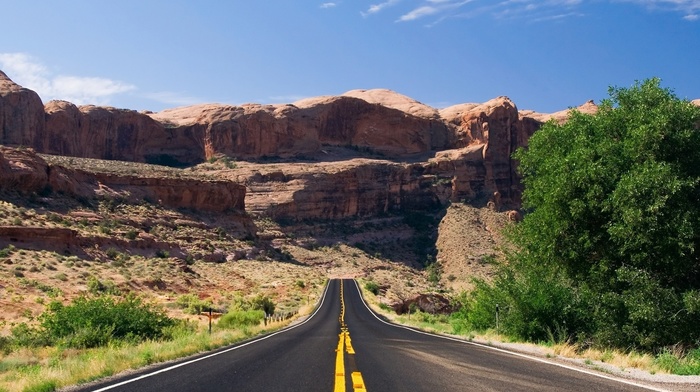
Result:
[[192, 304], [92, 322], [95, 286], [241, 318], [259, 302], [372, 287]]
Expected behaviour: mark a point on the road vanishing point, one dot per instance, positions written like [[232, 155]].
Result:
[[344, 346]]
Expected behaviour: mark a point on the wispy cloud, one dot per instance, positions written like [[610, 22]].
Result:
[[433, 7], [374, 8], [437, 11], [690, 8], [30, 73], [329, 5]]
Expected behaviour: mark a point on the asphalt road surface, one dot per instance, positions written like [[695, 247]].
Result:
[[345, 347]]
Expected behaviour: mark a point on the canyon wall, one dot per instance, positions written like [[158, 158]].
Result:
[[424, 156]]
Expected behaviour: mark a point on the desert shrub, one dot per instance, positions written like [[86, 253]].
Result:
[[434, 272], [264, 303], [92, 322], [131, 234], [191, 304], [258, 302], [95, 286], [7, 251], [241, 318], [372, 287]]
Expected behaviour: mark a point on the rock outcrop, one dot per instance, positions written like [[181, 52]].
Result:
[[110, 133], [21, 114], [254, 131], [24, 171], [429, 156]]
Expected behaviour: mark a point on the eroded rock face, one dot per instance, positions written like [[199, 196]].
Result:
[[23, 170], [496, 126], [110, 133], [254, 131], [21, 114]]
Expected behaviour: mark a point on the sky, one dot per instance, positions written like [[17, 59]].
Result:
[[546, 55]]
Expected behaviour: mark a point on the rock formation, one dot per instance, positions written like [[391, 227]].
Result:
[[421, 156], [26, 172], [21, 114], [110, 133]]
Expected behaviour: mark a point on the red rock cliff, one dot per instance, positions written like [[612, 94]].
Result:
[[21, 114]]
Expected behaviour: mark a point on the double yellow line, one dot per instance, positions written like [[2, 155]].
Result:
[[345, 345]]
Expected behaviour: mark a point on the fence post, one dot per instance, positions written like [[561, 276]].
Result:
[[497, 311]]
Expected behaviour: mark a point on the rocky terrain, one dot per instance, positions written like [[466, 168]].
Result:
[[214, 200]]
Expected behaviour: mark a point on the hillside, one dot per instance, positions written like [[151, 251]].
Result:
[[218, 200]]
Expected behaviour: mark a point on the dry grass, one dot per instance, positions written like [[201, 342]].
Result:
[[27, 369]]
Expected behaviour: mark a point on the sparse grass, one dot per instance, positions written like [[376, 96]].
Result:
[[34, 369]]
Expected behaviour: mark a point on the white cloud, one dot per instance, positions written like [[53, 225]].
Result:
[[433, 7], [328, 5], [374, 8], [438, 11], [418, 13], [688, 7], [28, 72]]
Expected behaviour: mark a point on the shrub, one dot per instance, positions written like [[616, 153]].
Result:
[[92, 322], [95, 286], [131, 234], [372, 287], [191, 304], [241, 318]]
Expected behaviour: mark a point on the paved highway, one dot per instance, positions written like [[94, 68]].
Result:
[[345, 347]]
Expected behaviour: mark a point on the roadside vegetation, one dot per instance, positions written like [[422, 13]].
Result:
[[96, 336], [607, 257]]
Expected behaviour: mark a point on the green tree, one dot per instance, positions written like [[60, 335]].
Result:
[[613, 213]]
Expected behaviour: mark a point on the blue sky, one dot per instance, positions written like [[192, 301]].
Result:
[[545, 55]]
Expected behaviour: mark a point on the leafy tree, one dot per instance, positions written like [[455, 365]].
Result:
[[609, 249]]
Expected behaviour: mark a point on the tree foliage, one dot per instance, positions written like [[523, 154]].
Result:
[[95, 321], [609, 246]]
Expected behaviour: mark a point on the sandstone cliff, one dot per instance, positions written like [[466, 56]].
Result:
[[21, 114], [110, 133], [421, 156], [24, 171]]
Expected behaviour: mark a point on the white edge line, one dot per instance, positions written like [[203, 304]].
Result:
[[167, 369], [508, 352]]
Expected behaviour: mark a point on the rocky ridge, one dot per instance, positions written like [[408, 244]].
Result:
[[464, 149]]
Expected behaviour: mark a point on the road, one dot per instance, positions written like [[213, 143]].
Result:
[[386, 358]]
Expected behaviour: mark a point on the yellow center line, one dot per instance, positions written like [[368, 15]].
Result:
[[339, 367], [345, 345]]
